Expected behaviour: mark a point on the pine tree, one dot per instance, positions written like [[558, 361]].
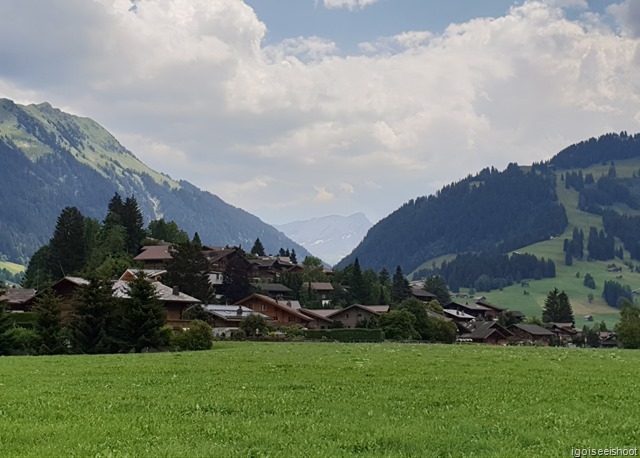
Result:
[[67, 246], [142, 316], [93, 322], [188, 269], [196, 241], [48, 325], [38, 275], [6, 342], [293, 257], [356, 283], [400, 289], [258, 248], [435, 284], [550, 310], [565, 311], [134, 224], [235, 283]]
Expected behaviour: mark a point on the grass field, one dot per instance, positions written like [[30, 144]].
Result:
[[11, 267], [305, 399]]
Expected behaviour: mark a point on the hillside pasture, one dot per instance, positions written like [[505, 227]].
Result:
[[321, 399]]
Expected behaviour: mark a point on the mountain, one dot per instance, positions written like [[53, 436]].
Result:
[[500, 211], [330, 238], [52, 159]]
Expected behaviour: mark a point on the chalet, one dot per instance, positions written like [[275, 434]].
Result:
[[608, 340], [150, 274], [318, 320], [564, 331], [531, 333], [458, 316], [65, 288], [422, 295], [354, 315], [323, 290], [493, 311], [487, 332], [269, 268], [515, 315], [227, 318], [175, 302], [274, 290], [219, 258], [280, 313], [154, 256], [475, 310], [18, 299]]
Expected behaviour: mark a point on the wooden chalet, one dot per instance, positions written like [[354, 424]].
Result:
[[219, 258], [154, 257], [475, 310], [564, 331], [531, 333], [150, 274], [493, 310], [352, 316], [279, 312], [487, 332], [18, 299], [458, 316], [323, 290], [175, 302], [229, 316], [269, 268], [319, 320], [423, 295], [275, 290]]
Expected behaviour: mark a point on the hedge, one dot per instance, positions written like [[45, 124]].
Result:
[[346, 334], [24, 320]]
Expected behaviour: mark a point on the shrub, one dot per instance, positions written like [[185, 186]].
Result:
[[197, 337], [24, 320], [24, 341]]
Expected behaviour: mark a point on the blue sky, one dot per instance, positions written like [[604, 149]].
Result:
[[293, 109]]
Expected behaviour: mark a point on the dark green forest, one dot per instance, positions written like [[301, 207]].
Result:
[[491, 211]]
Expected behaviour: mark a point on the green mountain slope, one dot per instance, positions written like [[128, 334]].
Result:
[[53, 159]]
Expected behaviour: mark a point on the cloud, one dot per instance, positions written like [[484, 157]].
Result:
[[289, 129], [627, 15], [351, 5]]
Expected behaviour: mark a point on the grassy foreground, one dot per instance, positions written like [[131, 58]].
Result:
[[304, 399]]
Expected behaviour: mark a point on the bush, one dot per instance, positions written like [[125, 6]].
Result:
[[165, 336], [24, 341], [346, 334], [197, 337], [24, 320], [254, 326]]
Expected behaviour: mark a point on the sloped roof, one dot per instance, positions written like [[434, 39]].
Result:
[[273, 287], [164, 292], [316, 316], [75, 280], [149, 273], [458, 314], [230, 312], [275, 303], [420, 292], [533, 329], [320, 286], [14, 296], [467, 306], [325, 312], [485, 329], [375, 309], [486, 303], [378, 308], [154, 253]]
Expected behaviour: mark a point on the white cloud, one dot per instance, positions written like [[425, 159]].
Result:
[[627, 15], [291, 130], [351, 5]]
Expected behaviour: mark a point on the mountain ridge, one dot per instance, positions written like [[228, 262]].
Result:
[[54, 159]]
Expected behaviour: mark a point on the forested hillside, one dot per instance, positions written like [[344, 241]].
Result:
[[52, 160], [495, 211]]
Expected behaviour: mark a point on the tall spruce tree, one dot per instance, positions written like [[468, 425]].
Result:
[[134, 224], [6, 342], [435, 284], [67, 246], [48, 325], [141, 317], [38, 275], [93, 323], [356, 283], [188, 269], [235, 282], [258, 248], [557, 308], [400, 289], [628, 328]]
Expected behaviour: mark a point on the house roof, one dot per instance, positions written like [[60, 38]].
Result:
[[485, 303], [516, 313], [533, 329], [149, 273], [14, 296], [154, 253], [316, 316], [164, 292], [324, 312], [457, 314], [485, 329], [469, 307], [232, 312], [217, 255], [320, 286], [273, 288], [79, 281], [275, 303], [422, 293], [295, 305], [375, 309]]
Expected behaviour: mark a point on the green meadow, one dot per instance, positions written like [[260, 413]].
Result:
[[249, 399]]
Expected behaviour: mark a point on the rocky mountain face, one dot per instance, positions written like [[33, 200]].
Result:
[[330, 238], [51, 159]]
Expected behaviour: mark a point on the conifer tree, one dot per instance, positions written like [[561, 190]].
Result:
[[400, 289], [293, 257], [48, 325], [67, 246], [235, 282], [258, 248], [142, 315], [356, 283], [37, 275], [188, 269], [6, 342], [134, 224], [435, 284], [93, 324]]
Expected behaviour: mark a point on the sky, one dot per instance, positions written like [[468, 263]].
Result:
[[293, 109]]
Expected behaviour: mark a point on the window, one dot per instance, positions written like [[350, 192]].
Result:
[[347, 316], [263, 307]]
